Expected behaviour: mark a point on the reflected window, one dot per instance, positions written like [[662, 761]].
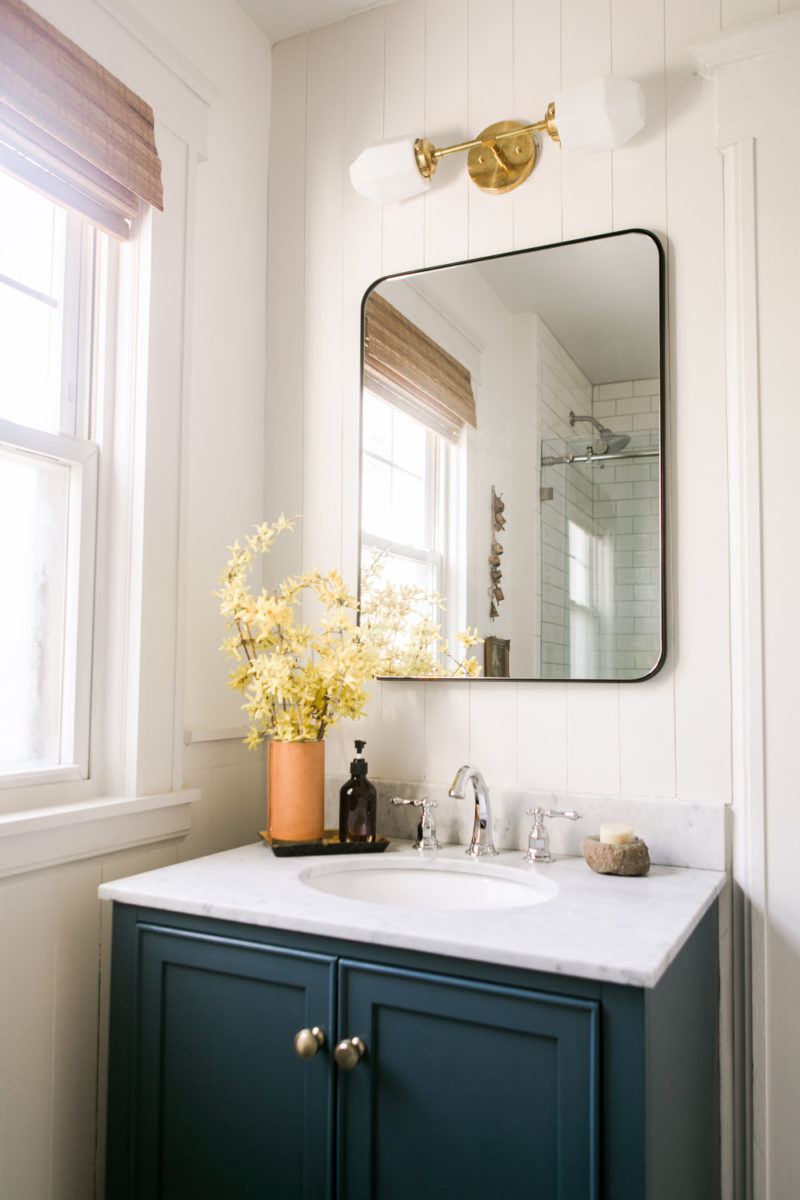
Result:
[[403, 498]]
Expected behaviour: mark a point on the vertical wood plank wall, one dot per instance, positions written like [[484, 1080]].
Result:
[[445, 69]]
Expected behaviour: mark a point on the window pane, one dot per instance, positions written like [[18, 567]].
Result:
[[397, 569], [579, 565], [30, 334], [376, 487], [31, 237], [33, 560], [377, 426], [408, 449], [408, 510]]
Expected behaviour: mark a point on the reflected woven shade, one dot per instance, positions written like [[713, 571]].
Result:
[[70, 128], [410, 369]]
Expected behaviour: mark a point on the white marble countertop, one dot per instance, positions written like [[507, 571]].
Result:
[[596, 927]]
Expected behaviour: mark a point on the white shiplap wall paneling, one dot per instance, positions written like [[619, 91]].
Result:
[[778, 240], [585, 53], [286, 295], [361, 248], [639, 169], [494, 732], [542, 737], [447, 716], [27, 1098], [646, 714], [404, 115], [322, 420], [402, 738], [447, 122], [537, 78], [699, 560], [74, 1030], [593, 738], [742, 12], [592, 745], [490, 40], [479, 62]]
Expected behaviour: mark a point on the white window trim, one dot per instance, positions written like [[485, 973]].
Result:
[[137, 736]]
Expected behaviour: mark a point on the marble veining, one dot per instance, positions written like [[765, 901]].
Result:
[[678, 833], [617, 930]]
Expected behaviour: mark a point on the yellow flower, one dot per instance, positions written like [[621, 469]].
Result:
[[298, 680]]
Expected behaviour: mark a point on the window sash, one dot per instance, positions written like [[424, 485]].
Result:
[[438, 453], [82, 459]]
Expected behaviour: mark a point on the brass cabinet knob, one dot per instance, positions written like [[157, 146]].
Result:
[[349, 1053], [308, 1042]]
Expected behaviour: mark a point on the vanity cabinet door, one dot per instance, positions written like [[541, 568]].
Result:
[[207, 1095], [465, 1089]]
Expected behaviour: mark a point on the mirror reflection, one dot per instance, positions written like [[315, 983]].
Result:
[[511, 473]]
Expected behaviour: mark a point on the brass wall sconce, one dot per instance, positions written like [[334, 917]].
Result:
[[602, 114]]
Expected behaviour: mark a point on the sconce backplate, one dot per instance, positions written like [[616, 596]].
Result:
[[500, 166]]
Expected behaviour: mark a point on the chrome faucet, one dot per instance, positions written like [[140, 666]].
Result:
[[481, 843]]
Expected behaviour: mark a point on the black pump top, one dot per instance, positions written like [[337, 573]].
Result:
[[358, 766]]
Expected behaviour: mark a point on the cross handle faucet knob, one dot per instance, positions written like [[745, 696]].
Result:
[[539, 836], [426, 830]]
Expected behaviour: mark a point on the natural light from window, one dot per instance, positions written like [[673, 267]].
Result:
[[404, 465], [47, 476]]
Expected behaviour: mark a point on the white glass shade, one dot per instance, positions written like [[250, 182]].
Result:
[[388, 172], [602, 114]]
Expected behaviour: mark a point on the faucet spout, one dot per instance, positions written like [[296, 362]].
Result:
[[482, 842]]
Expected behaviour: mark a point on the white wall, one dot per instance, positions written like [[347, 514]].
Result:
[[627, 506], [563, 388], [445, 70], [225, 439], [762, 191], [206, 466]]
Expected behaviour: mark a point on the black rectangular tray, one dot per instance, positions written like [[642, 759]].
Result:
[[328, 844]]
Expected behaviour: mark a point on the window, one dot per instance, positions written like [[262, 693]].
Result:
[[50, 314], [404, 490], [589, 563]]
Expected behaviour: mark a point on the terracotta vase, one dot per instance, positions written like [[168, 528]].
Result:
[[296, 791]]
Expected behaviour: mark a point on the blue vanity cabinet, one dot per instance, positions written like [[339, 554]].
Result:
[[207, 1097], [466, 1089], [477, 1081]]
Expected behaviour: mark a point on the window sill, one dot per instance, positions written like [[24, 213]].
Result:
[[46, 837], [43, 775]]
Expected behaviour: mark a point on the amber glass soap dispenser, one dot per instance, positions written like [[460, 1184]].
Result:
[[358, 803]]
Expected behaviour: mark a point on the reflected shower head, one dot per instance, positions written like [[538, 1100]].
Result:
[[615, 441], [608, 441]]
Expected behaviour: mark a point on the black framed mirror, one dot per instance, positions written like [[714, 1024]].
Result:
[[512, 482]]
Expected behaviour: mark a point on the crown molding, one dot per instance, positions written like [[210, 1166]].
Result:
[[758, 40], [146, 33]]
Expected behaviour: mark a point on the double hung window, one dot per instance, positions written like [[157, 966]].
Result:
[[404, 489], [52, 312]]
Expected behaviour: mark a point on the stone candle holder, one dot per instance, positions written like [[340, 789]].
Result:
[[631, 858]]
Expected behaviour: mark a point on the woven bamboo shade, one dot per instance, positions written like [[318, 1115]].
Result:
[[70, 128], [402, 360]]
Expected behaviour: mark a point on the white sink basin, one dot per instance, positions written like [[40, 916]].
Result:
[[443, 884]]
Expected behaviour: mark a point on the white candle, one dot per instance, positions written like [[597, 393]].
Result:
[[616, 833]]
